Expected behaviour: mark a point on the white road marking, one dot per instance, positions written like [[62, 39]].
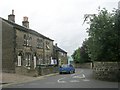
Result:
[[60, 80], [81, 71], [73, 75], [86, 80], [79, 76], [83, 75], [74, 81]]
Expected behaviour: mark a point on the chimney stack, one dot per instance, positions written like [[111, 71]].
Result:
[[11, 17], [56, 44], [25, 22]]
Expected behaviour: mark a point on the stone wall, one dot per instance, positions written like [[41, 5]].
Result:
[[24, 71], [0, 47], [39, 71], [8, 50], [109, 71], [47, 70], [84, 65]]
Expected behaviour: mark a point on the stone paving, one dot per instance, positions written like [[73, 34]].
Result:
[[11, 78]]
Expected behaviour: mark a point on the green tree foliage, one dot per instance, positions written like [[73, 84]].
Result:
[[84, 57], [76, 55], [103, 36], [80, 55], [117, 31]]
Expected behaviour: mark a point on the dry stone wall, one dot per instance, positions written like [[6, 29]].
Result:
[[109, 71]]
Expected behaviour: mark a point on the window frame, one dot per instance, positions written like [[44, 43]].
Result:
[[40, 43]]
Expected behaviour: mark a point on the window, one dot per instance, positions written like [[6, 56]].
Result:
[[27, 40], [53, 61], [48, 59], [19, 59], [28, 59], [39, 43], [47, 45], [62, 53], [40, 59], [34, 62]]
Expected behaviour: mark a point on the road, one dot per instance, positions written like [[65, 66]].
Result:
[[81, 79]]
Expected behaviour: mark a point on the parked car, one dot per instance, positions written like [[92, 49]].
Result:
[[65, 68]]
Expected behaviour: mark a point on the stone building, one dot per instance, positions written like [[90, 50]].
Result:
[[23, 48], [60, 55], [119, 5]]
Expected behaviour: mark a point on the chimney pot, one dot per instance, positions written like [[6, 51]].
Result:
[[56, 44], [11, 17], [12, 12], [25, 18], [25, 22]]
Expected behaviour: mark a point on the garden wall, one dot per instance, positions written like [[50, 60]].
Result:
[[84, 65], [109, 71], [47, 70], [36, 72]]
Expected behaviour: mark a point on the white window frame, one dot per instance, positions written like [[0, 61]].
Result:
[[19, 60], [26, 62], [28, 59], [35, 61]]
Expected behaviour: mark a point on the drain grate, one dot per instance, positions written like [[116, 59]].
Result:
[[3, 83]]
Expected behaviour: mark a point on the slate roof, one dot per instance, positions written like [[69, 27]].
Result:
[[22, 28], [59, 49]]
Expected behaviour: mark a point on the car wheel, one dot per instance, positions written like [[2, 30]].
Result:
[[60, 72], [71, 72]]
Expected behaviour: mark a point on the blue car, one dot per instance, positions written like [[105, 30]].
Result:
[[66, 69]]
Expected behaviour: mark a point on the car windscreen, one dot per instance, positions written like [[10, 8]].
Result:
[[65, 65]]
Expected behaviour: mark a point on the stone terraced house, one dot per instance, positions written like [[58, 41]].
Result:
[[23, 49], [60, 55]]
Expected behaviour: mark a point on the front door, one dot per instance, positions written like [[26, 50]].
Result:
[[19, 60], [34, 62]]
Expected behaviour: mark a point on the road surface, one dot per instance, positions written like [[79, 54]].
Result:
[[81, 79]]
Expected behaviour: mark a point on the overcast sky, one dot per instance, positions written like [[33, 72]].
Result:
[[60, 20]]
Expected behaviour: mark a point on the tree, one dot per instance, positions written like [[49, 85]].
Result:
[[103, 36], [84, 57], [117, 33], [76, 55], [80, 55]]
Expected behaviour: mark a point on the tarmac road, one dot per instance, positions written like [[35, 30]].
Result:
[[81, 79]]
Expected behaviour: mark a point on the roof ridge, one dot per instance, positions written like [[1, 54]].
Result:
[[58, 48], [26, 29]]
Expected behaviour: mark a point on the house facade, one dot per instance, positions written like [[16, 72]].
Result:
[[60, 55], [23, 49]]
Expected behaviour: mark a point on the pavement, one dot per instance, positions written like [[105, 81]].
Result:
[[12, 78]]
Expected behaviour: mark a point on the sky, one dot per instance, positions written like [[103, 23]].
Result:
[[60, 20]]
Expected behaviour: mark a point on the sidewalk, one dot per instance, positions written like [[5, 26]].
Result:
[[10, 78]]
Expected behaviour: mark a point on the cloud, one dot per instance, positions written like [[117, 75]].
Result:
[[61, 20]]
